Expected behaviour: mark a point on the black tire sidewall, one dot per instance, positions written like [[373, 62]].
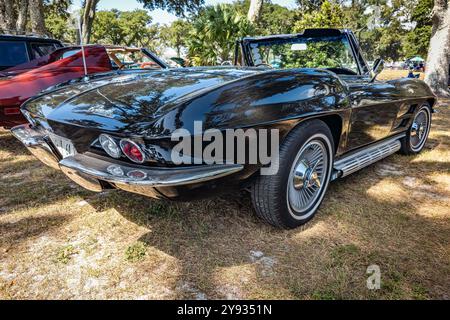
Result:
[[288, 153]]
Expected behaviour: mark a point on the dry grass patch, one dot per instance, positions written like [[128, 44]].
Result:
[[58, 241], [388, 74]]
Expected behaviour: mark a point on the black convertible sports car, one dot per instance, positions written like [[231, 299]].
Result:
[[314, 89]]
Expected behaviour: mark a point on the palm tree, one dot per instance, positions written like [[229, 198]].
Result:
[[214, 33]]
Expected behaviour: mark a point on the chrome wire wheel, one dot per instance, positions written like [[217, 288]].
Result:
[[307, 178], [419, 129], [292, 196]]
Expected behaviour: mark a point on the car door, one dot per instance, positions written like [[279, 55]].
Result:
[[375, 106]]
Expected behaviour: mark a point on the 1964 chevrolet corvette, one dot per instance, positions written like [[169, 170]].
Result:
[[332, 114]]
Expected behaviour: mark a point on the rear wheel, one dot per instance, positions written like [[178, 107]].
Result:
[[292, 196], [417, 134]]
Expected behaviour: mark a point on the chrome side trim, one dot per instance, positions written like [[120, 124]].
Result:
[[360, 159], [141, 176]]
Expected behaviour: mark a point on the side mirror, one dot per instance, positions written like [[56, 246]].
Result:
[[378, 66]]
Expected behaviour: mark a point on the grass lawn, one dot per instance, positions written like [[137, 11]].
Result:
[[58, 241], [393, 74]]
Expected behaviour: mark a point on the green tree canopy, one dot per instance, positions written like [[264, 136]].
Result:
[[215, 30], [274, 18], [391, 29], [418, 39], [176, 34], [179, 7], [329, 15], [56, 19], [121, 27]]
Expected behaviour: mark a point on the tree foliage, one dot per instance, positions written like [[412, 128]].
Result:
[[179, 7], [176, 35], [56, 19], [214, 32], [391, 29], [121, 27], [418, 39], [328, 15], [309, 5], [274, 19]]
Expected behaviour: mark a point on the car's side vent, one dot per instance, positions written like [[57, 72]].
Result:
[[412, 108], [406, 113], [403, 123]]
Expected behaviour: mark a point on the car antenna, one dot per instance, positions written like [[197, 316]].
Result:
[[86, 77]]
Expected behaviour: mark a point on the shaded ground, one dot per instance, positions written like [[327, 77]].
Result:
[[58, 241]]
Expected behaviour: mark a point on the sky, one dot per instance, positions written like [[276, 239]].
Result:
[[161, 16]]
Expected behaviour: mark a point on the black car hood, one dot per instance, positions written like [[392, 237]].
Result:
[[118, 103]]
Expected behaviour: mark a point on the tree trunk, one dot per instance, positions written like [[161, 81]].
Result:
[[254, 12], [22, 7], [6, 15], [437, 68], [90, 6], [36, 10]]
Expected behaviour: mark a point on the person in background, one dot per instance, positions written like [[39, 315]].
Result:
[[422, 66], [411, 73]]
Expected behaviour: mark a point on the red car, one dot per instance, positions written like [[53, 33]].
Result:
[[21, 82]]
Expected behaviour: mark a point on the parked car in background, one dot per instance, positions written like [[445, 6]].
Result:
[[23, 81], [15, 50], [315, 88]]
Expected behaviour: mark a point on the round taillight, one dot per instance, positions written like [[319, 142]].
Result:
[[132, 150], [109, 145]]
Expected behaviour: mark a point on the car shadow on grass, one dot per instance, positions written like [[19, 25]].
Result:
[[8, 143], [226, 252], [14, 233], [368, 218]]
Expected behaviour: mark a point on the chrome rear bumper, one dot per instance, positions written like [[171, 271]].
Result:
[[36, 143], [88, 171], [128, 174]]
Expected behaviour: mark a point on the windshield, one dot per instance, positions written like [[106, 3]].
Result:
[[305, 52]]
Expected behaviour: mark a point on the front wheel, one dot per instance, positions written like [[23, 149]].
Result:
[[417, 134], [292, 196]]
